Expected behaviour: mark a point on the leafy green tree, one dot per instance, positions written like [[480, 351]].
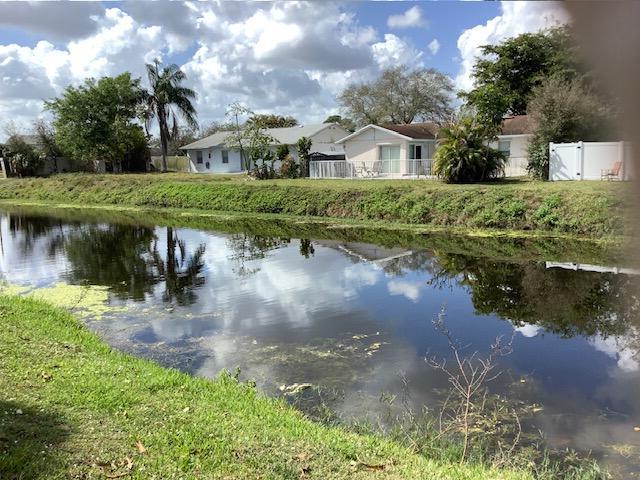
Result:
[[214, 127], [254, 143], [97, 120], [183, 136], [463, 154], [399, 96], [273, 121], [304, 149], [24, 159], [563, 110], [344, 122], [507, 73], [166, 100]]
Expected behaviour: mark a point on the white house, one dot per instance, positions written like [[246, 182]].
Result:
[[407, 150], [212, 155]]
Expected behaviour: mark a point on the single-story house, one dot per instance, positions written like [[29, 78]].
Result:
[[212, 155], [408, 149]]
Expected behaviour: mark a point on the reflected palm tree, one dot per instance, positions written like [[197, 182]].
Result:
[[181, 272], [246, 248]]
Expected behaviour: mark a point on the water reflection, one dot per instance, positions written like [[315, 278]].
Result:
[[289, 310]]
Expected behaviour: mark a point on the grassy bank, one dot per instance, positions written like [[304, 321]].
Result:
[[500, 245], [74, 408], [591, 209]]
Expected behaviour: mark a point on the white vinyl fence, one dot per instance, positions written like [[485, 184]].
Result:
[[395, 168], [587, 160], [516, 167]]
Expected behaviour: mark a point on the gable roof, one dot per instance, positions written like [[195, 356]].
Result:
[[416, 131], [516, 125], [375, 127], [284, 136]]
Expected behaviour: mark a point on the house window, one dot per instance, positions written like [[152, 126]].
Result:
[[199, 157], [505, 147], [225, 156], [416, 152], [208, 165]]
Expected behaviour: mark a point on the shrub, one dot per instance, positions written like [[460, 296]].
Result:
[[564, 111], [24, 159], [289, 168], [463, 155]]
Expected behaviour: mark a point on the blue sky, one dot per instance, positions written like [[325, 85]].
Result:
[[290, 58]]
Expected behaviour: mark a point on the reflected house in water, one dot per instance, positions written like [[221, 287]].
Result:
[[365, 252], [592, 268]]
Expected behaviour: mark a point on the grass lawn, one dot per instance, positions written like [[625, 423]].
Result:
[[582, 209], [73, 408]]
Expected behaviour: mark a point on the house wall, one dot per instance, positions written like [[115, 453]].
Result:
[[518, 159], [364, 147], [214, 157], [325, 140]]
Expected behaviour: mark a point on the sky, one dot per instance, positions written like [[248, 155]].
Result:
[[287, 58]]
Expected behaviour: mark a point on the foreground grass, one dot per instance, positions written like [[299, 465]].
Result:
[[591, 209], [74, 408]]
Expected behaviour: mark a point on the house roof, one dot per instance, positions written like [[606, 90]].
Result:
[[375, 127], [416, 131], [516, 125], [284, 136]]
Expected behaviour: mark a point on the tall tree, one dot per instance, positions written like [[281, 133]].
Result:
[[565, 111], [99, 119], [49, 148], [399, 96], [272, 121], [166, 100], [506, 73], [344, 122]]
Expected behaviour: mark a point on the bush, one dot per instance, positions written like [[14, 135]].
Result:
[[463, 155], [289, 168], [564, 111], [24, 160]]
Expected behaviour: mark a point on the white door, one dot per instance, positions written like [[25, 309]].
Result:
[[390, 156]]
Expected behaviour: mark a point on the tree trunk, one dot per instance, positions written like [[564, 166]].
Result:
[[162, 123]]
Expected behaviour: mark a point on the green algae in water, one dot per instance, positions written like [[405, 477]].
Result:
[[88, 301]]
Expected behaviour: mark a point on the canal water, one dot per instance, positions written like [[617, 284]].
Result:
[[355, 320]]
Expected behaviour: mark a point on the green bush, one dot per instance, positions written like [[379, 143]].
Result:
[[463, 155]]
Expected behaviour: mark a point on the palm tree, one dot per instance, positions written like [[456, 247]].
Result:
[[166, 97]]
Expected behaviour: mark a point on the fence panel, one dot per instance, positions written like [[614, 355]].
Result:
[[587, 160], [330, 169]]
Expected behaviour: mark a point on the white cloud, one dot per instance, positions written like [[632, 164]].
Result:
[[528, 330], [410, 290], [410, 18], [434, 46], [289, 57], [622, 348], [395, 51], [516, 18]]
